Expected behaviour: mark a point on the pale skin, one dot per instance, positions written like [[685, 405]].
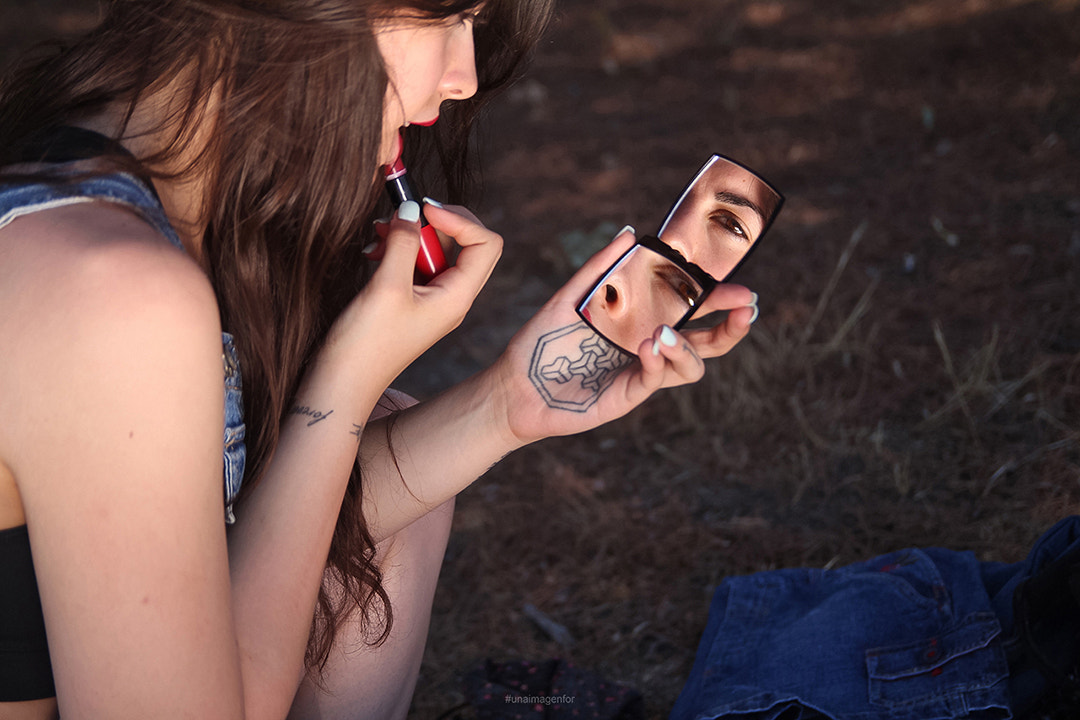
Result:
[[110, 448]]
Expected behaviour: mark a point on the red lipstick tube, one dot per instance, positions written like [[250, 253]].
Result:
[[431, 260]]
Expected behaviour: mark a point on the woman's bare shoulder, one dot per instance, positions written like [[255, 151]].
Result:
[[86, 244], [91, 294], [112, 429], [95, 263]]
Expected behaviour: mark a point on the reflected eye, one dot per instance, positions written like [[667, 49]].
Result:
[[688, 293], [684, 289], [729, 223]]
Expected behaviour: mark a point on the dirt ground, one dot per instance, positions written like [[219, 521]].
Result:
[[914, 377]]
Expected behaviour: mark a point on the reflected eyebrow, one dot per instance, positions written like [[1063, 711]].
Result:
[[725, 196]]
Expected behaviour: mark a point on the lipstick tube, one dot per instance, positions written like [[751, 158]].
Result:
[[431, 260]]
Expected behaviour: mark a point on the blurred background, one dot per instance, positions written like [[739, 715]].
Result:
[[914, 377]]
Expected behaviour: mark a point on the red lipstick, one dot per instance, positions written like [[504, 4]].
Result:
[[431, 260]]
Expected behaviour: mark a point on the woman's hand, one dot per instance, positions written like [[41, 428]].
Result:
[[559, 377], [393, 321]]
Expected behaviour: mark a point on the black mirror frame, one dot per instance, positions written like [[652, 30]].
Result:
[[693, 181], [653, 242]]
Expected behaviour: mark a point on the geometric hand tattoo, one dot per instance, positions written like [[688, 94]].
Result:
[[571, 367]]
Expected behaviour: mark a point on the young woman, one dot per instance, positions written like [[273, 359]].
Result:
[[185, 195]]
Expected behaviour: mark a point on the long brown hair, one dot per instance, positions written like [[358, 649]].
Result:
[[299, 87]]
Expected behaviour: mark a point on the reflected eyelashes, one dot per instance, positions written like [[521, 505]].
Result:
[[676, 282], [730, 223]]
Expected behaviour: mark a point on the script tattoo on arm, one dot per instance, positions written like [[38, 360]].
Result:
[[572, 366], [315, 415]]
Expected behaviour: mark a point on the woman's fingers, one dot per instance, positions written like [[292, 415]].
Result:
[[667, 359], [459, 210], [741, 306], [375, 250], [679, 353], [726, 296], [720, 339], [481, 248], [457, 222], [398, 251]]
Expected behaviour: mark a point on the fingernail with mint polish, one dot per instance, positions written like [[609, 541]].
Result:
[[409, 211], [381, 228], [667, 336], [433, 203], [375, 250], [753, 304]]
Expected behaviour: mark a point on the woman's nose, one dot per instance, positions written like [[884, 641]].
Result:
[[459, 81]]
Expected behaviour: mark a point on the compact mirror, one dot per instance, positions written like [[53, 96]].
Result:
[[708, 233]]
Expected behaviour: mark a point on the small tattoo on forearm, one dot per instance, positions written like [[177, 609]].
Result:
[[315, 415], [356, 430]]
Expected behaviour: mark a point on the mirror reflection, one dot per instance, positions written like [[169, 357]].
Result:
[[708, 233]]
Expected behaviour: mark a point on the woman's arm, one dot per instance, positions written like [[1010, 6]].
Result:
[[279, 546], [116, 413], [112, 425], [437, 448]]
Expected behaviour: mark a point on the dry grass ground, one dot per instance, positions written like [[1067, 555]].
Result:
[[914, 378]]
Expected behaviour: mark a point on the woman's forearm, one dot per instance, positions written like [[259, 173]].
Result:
[[279, 546], [278, 550], [417, 459]]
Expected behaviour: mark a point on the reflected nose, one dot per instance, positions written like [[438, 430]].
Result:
[[459, 81], [677, 235], [616, 303]]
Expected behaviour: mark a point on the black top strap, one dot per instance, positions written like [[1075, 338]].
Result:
[[25, 670], [67, 144]]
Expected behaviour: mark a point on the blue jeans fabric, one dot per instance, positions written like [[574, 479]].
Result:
[[1027, 683], [916, 634], [19, 200]]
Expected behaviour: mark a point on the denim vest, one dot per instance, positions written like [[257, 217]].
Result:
[[19, 200]]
